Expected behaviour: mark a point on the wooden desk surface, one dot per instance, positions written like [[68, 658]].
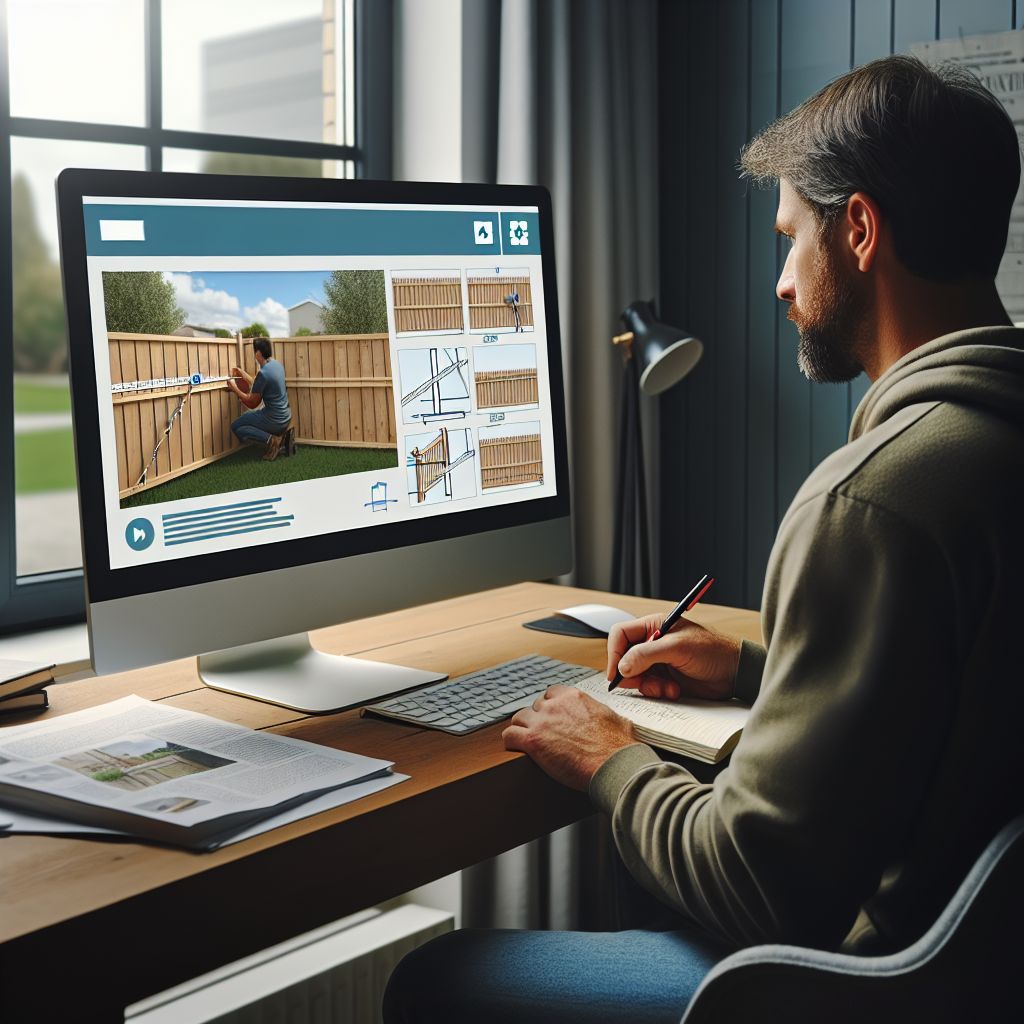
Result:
[[81, 909]]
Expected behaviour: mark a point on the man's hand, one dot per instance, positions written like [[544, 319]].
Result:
[[691, 661], [569, 734]]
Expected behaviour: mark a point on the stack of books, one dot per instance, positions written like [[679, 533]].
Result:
[[22, 685]]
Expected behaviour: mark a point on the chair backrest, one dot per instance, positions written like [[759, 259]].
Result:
[[969, 962]]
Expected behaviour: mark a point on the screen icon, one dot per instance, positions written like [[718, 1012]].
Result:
[[138, 534], [518, 232], [483, 232]]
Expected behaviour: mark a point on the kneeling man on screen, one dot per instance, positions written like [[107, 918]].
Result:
[[264, 426]]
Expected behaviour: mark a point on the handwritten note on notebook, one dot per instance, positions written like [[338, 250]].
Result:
[[703, 729]]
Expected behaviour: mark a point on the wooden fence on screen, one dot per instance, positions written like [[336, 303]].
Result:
[[339, 390], [427, 303], [487, 305], [202, 432], [499, 388], [507, 461]]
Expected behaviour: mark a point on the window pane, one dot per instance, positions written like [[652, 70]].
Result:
[[78, 60], [255, 67], [193, 160], [44, 466]]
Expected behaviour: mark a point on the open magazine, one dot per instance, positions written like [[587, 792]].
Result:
[[164, 773]]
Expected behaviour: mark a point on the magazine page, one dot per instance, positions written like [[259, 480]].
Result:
[[169, 764], [23, 823]]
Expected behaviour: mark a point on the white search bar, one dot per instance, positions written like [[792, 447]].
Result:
[[122, 231]]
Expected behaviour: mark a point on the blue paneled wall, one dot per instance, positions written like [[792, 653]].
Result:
[[744, 430]]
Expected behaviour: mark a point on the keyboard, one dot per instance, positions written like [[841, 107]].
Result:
[[481, 698]]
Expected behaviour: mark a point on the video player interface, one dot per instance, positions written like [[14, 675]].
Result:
[[267, 371]]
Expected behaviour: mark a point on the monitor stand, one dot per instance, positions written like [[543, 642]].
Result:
[[288, 671]]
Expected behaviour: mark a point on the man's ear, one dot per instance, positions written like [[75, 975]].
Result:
[[861, 229]]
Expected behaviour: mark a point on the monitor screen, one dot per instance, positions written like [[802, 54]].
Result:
[[298, 401], [279, 380], [403, 356]]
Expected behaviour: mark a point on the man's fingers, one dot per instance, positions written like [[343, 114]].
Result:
[[514, 737], [622, 637], [643, 656], [666, 689]]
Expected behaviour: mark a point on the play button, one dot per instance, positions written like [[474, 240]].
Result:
[[139, 534]]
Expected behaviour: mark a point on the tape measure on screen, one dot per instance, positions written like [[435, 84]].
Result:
[[165, 382]]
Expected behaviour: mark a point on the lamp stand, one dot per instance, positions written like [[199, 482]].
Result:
[[631, 559]]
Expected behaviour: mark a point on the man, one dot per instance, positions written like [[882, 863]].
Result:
[[882, 752], [267, 426]]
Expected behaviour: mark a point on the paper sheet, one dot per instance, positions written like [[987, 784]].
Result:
[[998, 61], [30, 824], [166, 763]]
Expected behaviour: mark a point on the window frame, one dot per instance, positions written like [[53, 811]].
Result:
[[53, 598]]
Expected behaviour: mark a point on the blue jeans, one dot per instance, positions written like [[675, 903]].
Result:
[[510, 977], [256, 426]]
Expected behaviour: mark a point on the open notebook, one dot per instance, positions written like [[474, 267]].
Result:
[[706, 730]]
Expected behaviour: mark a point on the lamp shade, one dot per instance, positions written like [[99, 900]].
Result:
[[664, 354]]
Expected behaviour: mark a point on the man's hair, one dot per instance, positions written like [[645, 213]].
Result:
[[262, 345], [930, 144]]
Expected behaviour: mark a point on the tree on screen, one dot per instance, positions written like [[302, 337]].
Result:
[[255, 330], [140, 302], [355, 303]]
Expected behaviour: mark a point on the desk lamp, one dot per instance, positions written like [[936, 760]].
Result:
[[655, 356]]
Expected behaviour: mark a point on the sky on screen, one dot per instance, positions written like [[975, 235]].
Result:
[[234, 300]]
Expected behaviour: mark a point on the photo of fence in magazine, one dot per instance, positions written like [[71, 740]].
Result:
[[154, 771]]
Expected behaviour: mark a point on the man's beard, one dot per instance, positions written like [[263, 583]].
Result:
[[829, 327]]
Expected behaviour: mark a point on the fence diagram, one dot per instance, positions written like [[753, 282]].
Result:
[[441, 468], [435, 384], [173, 409], [511, 460], [505, 377], [500, 302], [428, 303]]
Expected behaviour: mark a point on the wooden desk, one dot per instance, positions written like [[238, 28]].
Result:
[[88, 927]]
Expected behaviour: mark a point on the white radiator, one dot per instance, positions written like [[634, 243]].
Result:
[[334, 975]]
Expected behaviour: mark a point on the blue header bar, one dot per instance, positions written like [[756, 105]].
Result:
[[186, 230]]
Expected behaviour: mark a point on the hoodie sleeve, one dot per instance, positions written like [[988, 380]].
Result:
[[793, 835]]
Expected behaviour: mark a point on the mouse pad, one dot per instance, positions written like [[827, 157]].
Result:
[[565, 627]]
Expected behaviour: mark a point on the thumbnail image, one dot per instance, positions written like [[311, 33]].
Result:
[[171, 804], [510, 456], [187, 351], [434, 384], [427, 301], [141, 762], [505, 376], [499, 300], [440, 466]]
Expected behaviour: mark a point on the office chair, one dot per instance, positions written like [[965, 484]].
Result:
[[969, 962]]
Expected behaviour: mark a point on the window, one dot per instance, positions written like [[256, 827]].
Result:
[[236, 87]]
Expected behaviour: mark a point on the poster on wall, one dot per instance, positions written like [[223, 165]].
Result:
[[998, 61]]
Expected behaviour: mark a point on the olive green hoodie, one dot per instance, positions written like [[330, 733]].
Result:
[[883, 749]]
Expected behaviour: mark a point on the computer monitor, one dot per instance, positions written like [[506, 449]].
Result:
[[410, 444]]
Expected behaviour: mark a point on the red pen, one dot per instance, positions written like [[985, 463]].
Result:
[[699, 590]]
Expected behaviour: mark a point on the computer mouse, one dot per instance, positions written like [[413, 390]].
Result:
[[599, 617]]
